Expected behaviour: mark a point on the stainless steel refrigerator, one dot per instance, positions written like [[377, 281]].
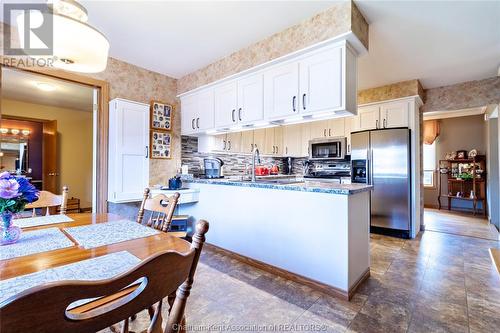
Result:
[[382, 158]]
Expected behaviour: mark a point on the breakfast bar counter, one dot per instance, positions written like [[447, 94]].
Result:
[[313, 232]]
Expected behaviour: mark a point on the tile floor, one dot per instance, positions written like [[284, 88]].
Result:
[[436, 283], [459, 224]]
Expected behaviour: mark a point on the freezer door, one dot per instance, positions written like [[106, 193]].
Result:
[[360, 143], [390, 176]]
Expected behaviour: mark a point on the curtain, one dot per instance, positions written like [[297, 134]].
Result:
[[431, 131]]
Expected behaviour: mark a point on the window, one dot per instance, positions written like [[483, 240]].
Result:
[[429, 165]]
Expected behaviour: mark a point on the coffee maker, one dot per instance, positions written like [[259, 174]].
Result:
[[288, 165], [213, 167]]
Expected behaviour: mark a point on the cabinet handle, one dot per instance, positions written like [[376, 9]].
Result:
[[274, 149], [224, 145], [239, 114], [232, 115], [329, 132], [229, 145], [376, 123], [293, 103], [251, 147], [197, 122], [304, 101], [192, 123], [286, 150], [277, 149], [385, 122], [324, 132], [147, 152]]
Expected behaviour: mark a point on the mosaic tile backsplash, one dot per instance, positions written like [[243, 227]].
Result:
[[234, 164]]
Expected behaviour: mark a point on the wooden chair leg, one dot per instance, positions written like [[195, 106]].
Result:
[[125, 326], [156, 320]]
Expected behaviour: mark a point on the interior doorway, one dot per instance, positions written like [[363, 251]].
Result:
[[62, 145], [457, 189]]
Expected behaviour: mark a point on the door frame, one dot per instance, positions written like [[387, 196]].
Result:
[[102, 128]]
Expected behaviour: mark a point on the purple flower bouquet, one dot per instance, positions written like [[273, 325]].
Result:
[[15, 193]]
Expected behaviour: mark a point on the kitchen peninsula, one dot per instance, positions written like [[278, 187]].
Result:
[[316, 233]]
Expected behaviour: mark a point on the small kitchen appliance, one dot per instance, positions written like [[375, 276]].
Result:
[[213, 167], [287, 165], [327, 148]]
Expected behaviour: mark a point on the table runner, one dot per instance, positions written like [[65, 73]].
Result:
[[101, 234], [41, 220], [36, 241], [99, 268]]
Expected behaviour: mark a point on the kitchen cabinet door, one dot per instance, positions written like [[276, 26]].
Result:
[[204, 115], [246, 142], [319, 129], [269, 146], [369, 117], [336, 127], [233, 142], [281, 88], [188, 115], [251, 99], [259, 139], [394, 114], [219, 142], [225, 104], [321, 81], [306, 136], [347, 132], [292, 140], [278, 140]]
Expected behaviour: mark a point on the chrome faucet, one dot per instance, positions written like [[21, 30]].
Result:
[[255, 152]]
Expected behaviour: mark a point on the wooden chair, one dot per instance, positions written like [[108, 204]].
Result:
[[49, 200], [161, 210], [44, 308]]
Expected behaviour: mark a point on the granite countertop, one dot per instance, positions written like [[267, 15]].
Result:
[[299, 185]]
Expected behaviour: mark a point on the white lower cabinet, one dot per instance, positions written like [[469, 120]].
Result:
[[128, 159]]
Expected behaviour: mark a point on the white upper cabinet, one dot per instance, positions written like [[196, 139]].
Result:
[[321, 81], [394, 114], [369, 117], [128, 150], [250, 99], [226, 105], [383, 115], [281, 88], [198, 112]]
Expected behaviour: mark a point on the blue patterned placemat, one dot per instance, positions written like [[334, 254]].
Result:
[[99, 268], [35, 241], [41, 220], [101, 234]]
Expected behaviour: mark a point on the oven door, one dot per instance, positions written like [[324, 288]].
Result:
[[321, 149]]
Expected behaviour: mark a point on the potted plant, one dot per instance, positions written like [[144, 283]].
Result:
[[15, 193]]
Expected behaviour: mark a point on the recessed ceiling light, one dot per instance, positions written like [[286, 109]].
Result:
[[45, 86]]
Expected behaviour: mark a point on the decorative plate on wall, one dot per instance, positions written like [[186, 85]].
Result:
[[161, 145], [161, 115]]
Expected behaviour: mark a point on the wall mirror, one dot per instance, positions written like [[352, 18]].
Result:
[[14, 154]]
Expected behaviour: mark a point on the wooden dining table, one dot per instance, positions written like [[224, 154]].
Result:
[[142, 248]]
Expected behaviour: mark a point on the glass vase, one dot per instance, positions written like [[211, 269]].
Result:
[[9, 233]]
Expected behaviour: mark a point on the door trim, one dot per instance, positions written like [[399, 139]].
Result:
[[102, 126]]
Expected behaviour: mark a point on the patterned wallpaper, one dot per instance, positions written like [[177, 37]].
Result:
[[391, 91], [463, 95], [340, 18]]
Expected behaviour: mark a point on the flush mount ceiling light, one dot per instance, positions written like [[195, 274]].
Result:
[[77, 46], [45, 86]]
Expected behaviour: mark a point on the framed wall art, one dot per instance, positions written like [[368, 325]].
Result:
[[161, 145], [161, 116]]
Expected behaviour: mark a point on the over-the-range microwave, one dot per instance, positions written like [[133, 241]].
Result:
[[327, 148]]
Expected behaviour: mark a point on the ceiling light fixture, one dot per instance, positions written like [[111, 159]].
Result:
[[25, 132], [4, 130], [45, 86], [77, 46], [14, 131]]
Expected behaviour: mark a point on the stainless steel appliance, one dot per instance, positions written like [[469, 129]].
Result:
[[382, 158], [328, 148], [288, 165], [332, 170], [213, 167]]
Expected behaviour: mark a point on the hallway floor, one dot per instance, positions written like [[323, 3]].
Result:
[[459, 224], [435, 283]]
